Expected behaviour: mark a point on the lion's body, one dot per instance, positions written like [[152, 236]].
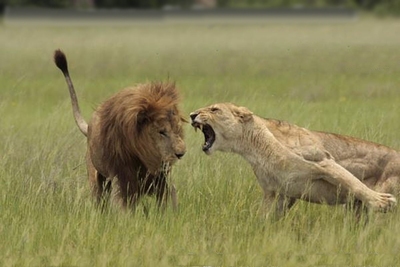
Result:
[[292, 162], [121, 146], [133, 139]]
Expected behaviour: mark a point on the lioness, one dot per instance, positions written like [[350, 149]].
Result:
[[134, 137], [292, 162]]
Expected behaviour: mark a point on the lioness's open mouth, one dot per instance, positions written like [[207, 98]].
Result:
[[209, 134]]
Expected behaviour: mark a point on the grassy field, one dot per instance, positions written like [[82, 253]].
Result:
[[341, 77]]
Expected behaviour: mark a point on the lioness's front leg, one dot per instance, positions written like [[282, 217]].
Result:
[[276, 204], [339, 176]]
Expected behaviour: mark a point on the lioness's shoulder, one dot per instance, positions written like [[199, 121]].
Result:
[[284, 127]]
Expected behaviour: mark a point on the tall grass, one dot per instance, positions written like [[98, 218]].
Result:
[[337, 77]]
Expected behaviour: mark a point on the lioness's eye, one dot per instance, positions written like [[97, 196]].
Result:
[[214, 109], [163, 133]]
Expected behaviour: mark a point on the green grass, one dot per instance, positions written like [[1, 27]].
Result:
[[341, 77]]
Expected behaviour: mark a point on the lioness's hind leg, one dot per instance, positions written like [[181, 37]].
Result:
[[391, 185]]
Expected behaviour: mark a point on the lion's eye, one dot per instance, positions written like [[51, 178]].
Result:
[[163, 133], [214, 109]]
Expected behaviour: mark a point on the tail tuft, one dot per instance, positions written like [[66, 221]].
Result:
[[61, 61]]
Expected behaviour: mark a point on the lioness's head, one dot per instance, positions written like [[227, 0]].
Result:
[[221, 124]]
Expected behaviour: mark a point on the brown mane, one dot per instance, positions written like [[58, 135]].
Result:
[[124, 125]]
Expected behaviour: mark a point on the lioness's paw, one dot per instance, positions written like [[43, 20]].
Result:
[[384, 202]]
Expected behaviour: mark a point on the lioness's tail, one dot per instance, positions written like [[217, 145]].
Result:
[[61, 62]]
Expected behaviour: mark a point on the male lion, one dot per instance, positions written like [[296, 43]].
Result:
[[293, 163], [135, 136]]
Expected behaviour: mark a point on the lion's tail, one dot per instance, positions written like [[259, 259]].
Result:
[[61, 62]]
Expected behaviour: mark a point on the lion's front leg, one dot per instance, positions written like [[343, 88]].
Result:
[[163, 193], [276, 205], [165, 190], [128, 193], [174, 197], [339, 176]]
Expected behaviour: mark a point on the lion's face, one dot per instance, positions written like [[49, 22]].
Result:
[[167, 136], [163, 139], [222, 124]]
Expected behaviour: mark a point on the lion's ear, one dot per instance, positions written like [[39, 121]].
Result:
[[243, 113], [142, 118]]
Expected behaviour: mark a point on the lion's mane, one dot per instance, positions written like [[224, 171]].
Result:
[[125, 126]]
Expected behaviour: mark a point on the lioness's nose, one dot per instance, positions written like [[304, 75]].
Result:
[[193, 115], [179, 155]]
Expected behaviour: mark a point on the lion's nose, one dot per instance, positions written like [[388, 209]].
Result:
[[179, 155], [193, 115]]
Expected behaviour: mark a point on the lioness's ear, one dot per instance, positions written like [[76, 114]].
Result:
[[243, 113]]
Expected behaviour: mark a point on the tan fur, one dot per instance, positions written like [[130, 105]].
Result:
[[292, 162], [134, 137]]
